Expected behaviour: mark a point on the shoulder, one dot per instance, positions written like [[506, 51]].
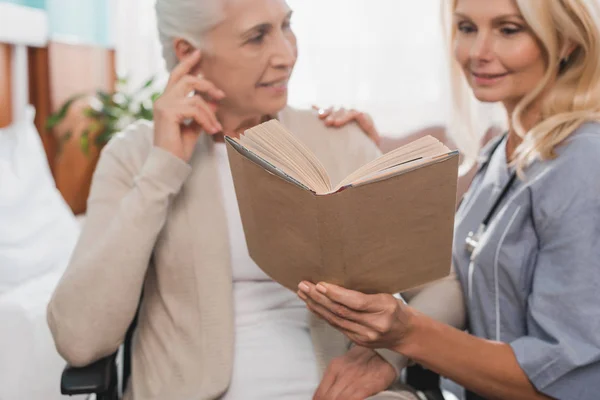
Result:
[[577, 157], [571, 181], [309, 128], [305, 118], [583, 144]]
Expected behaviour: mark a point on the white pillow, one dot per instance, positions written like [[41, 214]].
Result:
[[38, 231]]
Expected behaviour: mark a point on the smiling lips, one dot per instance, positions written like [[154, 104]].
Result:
[[275, 83], [277, 87], [487, 79]]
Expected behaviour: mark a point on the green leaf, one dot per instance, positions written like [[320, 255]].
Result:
[[91, 113], [155, 96], [103, 137], [145, 113], [59, 116], [63, 139], [112, 112], [105, 98], [84, 142], [148, 83]]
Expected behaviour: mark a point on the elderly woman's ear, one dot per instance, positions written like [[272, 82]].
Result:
[[184, 49]]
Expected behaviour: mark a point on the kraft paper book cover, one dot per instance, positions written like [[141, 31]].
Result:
[[386, 228]]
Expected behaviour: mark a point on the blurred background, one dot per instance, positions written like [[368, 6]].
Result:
[[385, 57]]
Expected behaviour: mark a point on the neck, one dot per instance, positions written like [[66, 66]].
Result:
[[529, 118], [235, 124]]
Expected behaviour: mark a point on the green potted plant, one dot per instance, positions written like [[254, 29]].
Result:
[[108, 113], [84, 124]]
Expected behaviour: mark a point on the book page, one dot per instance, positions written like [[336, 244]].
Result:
[[287, 157], [403, 168], [277, 142], [286, 152], [262, 159], [423, 148]]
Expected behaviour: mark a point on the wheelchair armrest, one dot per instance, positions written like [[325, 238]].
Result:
[[98, 377], [425, 381]]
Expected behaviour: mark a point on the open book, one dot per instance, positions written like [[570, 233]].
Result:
[[386, 227]]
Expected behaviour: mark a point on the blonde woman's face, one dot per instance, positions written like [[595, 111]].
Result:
[[500, 57], [251, 55]]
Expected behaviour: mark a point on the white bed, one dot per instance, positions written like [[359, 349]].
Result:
[[37, 229]]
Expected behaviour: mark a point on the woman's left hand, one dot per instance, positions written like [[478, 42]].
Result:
[[341, 116], [375, 321]]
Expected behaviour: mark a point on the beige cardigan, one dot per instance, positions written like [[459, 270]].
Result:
[[156, 222]]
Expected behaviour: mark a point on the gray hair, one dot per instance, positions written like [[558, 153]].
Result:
[[186, 19]]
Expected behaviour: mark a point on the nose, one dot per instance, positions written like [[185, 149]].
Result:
[[481, 49], [285, 51]]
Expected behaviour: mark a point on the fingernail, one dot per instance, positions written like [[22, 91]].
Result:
[[329, 119], [302, 295], [321, 111], [304, 287], [321, 288]]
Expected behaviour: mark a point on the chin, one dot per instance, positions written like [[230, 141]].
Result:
[[273, 107], [488, 96]]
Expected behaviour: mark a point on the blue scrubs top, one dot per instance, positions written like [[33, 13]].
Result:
[[534, 280]]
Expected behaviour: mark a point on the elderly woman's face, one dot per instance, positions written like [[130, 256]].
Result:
[[250, 56]]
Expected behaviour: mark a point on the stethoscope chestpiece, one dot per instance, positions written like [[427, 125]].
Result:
[[472, 240]]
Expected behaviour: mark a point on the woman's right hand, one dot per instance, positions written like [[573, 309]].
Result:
[[378, 321], [175, 107]]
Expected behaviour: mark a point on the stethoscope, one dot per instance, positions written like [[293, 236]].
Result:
[[473, 238]]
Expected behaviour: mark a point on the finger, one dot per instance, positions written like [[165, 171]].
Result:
[[356, 391], [198, 102], [348, 328], [327, 382], [184, 67], [335, 391], [337, 114], [199, 116], [200, 85], [323, 112], [366, 123], [346, 118], [335, 308], [352, 299]]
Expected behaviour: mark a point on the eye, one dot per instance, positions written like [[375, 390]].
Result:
[[466, 27], [510, 30], [257, 39]]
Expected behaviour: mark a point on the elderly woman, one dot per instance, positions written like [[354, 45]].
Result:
[[163, 220], [527, 237]]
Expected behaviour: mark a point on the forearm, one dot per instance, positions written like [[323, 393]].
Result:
[[442, 300], [98, 295], [485, 367]]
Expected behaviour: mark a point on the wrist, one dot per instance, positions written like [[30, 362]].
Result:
[[415, 330]]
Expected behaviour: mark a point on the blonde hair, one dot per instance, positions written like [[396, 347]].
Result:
[[571, 89], [186, 19]]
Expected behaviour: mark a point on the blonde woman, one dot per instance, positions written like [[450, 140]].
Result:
[[527, 235]]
